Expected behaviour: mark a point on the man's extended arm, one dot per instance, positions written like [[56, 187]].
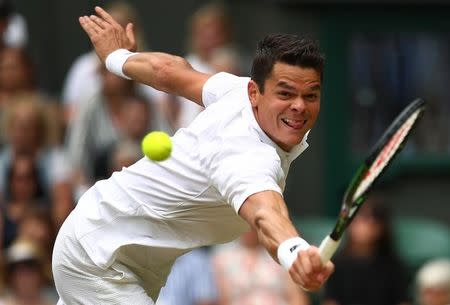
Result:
[[162, 71], [267, 213], [168, 73]]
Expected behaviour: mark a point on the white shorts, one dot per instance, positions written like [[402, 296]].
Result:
[[80, 282]]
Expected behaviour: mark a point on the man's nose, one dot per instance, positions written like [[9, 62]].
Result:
[[298, 104]]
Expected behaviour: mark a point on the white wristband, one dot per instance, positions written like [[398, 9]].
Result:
[[288, 249], [114, 61]]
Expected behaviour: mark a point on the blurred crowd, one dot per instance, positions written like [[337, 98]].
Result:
[[53, 148]]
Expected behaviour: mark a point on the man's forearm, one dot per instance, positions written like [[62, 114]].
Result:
[[273, 228], [154, 69], [169, 73], [267, 213]]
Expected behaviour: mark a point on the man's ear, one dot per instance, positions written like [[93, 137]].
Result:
[[253, 92]]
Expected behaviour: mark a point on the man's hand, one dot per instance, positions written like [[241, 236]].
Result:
[[308, 270], [106, 34]]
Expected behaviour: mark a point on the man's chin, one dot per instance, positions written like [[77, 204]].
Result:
[[288, 145]]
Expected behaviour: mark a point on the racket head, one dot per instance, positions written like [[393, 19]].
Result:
[[382, 154]]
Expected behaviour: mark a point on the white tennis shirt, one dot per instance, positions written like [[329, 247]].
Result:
[[148, 214]]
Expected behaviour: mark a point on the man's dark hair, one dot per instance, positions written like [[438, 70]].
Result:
[[285, 48]]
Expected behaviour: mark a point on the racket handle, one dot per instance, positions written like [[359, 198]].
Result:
[[327, 248]]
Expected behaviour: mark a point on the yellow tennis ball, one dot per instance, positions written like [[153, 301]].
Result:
[[157, 146]]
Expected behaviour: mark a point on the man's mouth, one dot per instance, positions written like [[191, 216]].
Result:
[[295, 124]]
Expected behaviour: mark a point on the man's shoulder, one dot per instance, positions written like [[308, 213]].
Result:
[[220, 85], [223, 80]]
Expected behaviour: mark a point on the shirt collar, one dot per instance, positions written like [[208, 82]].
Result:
[[289, 155]]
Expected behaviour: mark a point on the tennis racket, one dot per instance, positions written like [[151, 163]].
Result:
[[389, 145]]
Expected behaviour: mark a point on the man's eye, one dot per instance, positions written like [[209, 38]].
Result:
[[284, 94], [312, 96]]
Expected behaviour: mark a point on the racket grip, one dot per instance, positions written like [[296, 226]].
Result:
[[327, 248]]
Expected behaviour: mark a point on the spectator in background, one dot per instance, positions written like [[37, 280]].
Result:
[[29, 131], [191, 281], [136, 118], [17, 78], [13, 26], [433, 282], [113, 114], [226, 60], [123, 154], [16, 34], [23, 191], [25, 279], [83, 82], [16, 74], [97, 125], [247, 275], [209, 30], [36, 226], [368, 271]]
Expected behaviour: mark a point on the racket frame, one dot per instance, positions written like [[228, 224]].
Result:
[[350, 206]]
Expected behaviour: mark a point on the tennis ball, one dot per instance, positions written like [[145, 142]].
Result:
[[157, 146]]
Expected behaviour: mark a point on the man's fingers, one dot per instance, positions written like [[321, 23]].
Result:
[[329, 269], [326, 272], [129, 30], [306, 263], [89, 27], [305, 270], [308, 270], [297, 278], [314, 255], [98, 21], [105, 16]]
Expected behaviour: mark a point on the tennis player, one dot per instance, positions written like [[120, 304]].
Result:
[[226, 173]]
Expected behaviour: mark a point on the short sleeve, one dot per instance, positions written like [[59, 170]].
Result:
[[241, 168], [220, 84]]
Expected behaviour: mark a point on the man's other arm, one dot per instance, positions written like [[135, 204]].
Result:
[[267, 213]]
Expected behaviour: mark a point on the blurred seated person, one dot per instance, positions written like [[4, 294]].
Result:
[[191, 281], [24, 191], [13, 26], [136, 118], [17, 74], [367, 269], [433, 282], [209, 29], [225, 60], [83, 82], [247, 275], [36, 226], [16, 34], [97, 126], [101, 123], [30, 131], [25, 280], [123, 154], [18, 78]]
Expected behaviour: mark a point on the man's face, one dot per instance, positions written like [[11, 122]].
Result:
[[289, 106]]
